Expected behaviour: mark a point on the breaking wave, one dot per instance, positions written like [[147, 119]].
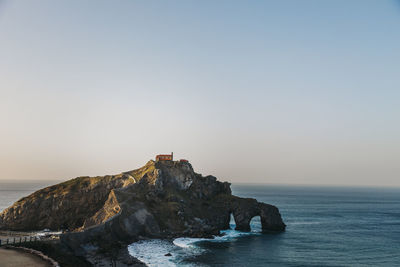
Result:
[[153, 252]]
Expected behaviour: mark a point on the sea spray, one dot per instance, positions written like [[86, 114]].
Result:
[[153, 251]]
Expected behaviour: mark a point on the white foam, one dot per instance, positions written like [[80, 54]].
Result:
[[187, 242], [47, 232], [227, 235], [152, 252]]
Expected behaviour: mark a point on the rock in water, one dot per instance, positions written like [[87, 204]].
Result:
[[163, 199]]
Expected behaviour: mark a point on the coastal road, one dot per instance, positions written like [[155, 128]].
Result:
[[14, 258]]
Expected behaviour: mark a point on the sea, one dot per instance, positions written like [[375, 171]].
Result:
[[326, 226]]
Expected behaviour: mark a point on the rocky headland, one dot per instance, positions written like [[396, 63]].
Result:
[[163, 199]]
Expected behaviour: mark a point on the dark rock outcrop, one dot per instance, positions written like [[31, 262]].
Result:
[[163, 199], [244, 209]]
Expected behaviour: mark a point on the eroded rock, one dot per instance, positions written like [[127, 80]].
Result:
[[163, 199]]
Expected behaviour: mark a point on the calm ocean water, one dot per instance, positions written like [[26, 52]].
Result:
[[325, 227], [11, 191]]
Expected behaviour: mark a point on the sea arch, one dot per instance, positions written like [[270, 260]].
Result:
[[244, 210]]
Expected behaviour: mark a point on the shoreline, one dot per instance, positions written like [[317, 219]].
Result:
[[50, 252]]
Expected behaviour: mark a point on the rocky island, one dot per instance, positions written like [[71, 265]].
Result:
[[100, 216]]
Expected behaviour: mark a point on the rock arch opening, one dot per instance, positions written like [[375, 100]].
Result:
[[232, 223], [255, 224]]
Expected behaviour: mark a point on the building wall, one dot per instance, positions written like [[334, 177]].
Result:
[[163, 157]]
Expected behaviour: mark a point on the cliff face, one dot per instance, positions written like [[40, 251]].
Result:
[[62, 206], [162, 199]]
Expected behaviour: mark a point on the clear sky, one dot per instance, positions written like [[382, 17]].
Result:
[[291, 92]]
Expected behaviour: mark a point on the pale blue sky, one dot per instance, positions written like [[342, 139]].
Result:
[[294, 92]]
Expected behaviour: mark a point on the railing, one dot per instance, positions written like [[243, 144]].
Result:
[[19, 241]]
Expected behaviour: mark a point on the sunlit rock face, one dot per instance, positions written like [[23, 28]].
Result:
[[162, 199], [63, 206]]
